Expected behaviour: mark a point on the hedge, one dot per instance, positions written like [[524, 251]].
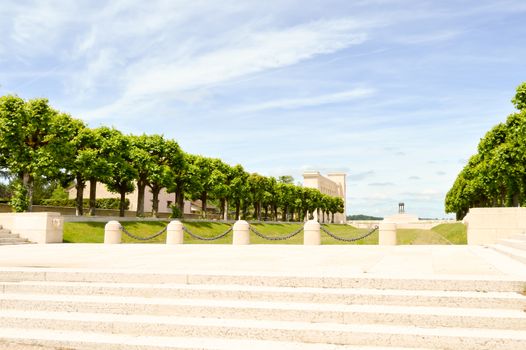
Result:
[[101, 203]]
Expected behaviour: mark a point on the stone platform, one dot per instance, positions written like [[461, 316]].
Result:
[[154, 296]]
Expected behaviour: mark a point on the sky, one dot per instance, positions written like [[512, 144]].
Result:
[[395, 93]]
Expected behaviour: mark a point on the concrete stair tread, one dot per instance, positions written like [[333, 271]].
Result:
[[511, 249], [8, 235], [265, 305], [517, 254], [246, 324], [95, 340], [292, 290], [438, 282]]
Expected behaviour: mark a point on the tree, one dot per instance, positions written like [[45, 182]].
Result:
[[121, 173], [285, 179], [167, 155], [239, 188], [519, 101], [153, 158], [34, 140]]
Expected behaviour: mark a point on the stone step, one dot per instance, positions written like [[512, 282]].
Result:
[[451, 283], [9, 235], [307, 332], [519, 236], [13, 240], [498, 300], [517, 254], [34, 339], [514, 243], [276, 311]]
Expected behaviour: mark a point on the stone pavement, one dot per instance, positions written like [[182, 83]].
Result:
[[331, 260]]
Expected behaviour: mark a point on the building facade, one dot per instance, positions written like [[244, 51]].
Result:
[[333, 184]]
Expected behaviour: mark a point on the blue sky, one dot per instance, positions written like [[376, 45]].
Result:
[[396, 93]]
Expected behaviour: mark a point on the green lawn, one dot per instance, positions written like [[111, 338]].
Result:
[[93, 232], [442, 234]]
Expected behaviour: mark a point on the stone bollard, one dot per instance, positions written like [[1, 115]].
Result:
[[174, 232], [311, 233], [241, 233], [112, 233], [387, 234]]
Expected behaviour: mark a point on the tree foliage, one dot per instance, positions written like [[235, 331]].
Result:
[[496, 175], [42, 149]]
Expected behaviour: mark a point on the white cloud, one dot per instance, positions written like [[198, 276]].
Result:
[[424, 38], [293, 103], [257, 52], [188, 68]]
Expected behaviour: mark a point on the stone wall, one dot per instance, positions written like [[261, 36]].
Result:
[[487, 225]]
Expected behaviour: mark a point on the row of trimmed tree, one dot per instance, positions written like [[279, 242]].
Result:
[[496, 175], [38, 142]]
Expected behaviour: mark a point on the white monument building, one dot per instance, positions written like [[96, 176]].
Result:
[[333, 184]]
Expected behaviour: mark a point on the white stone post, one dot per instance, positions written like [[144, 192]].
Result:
[[112, 233], [174, 232], [387, 234], [241, 233], [311, 233]]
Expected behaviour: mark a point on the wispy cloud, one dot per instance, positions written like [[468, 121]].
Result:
[[381, 184], [186, 69], [312, 101], [361, 176]]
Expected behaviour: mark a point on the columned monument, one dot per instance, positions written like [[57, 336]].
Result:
[[333, 184]]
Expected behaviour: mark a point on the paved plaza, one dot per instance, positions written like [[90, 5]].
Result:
[[425, 261]]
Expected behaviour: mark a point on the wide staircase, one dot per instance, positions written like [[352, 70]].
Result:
[[82, 309], [514, 247], [8, 238]]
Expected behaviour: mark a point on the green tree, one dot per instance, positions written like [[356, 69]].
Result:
[[34, 140], [519, 101], [121, 173]]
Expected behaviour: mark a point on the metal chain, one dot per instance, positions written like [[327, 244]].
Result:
[[279, 238], [208, 238], [348, 239], [142, 238]]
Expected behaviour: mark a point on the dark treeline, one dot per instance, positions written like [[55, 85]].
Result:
[[39, 144], [496, 175]]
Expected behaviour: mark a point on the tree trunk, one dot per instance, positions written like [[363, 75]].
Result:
[[332, 219], [179, 198], [203, 204], [238, 207], [225, 209], [28, 181], [92, 196], [515, 199], [155, 201], [141, 186], [79, 186], [122, 203]]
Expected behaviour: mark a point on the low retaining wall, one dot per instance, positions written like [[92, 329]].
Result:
[[44, 227], [422, 224], [488, 225]]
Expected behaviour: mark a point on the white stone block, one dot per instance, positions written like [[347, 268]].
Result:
[[241, 235], [312, 235], [45, 227], [387, 234], [174, 232], [112, 233]]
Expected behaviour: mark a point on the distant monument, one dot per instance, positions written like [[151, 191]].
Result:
[[401, 217], [333, 185]]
